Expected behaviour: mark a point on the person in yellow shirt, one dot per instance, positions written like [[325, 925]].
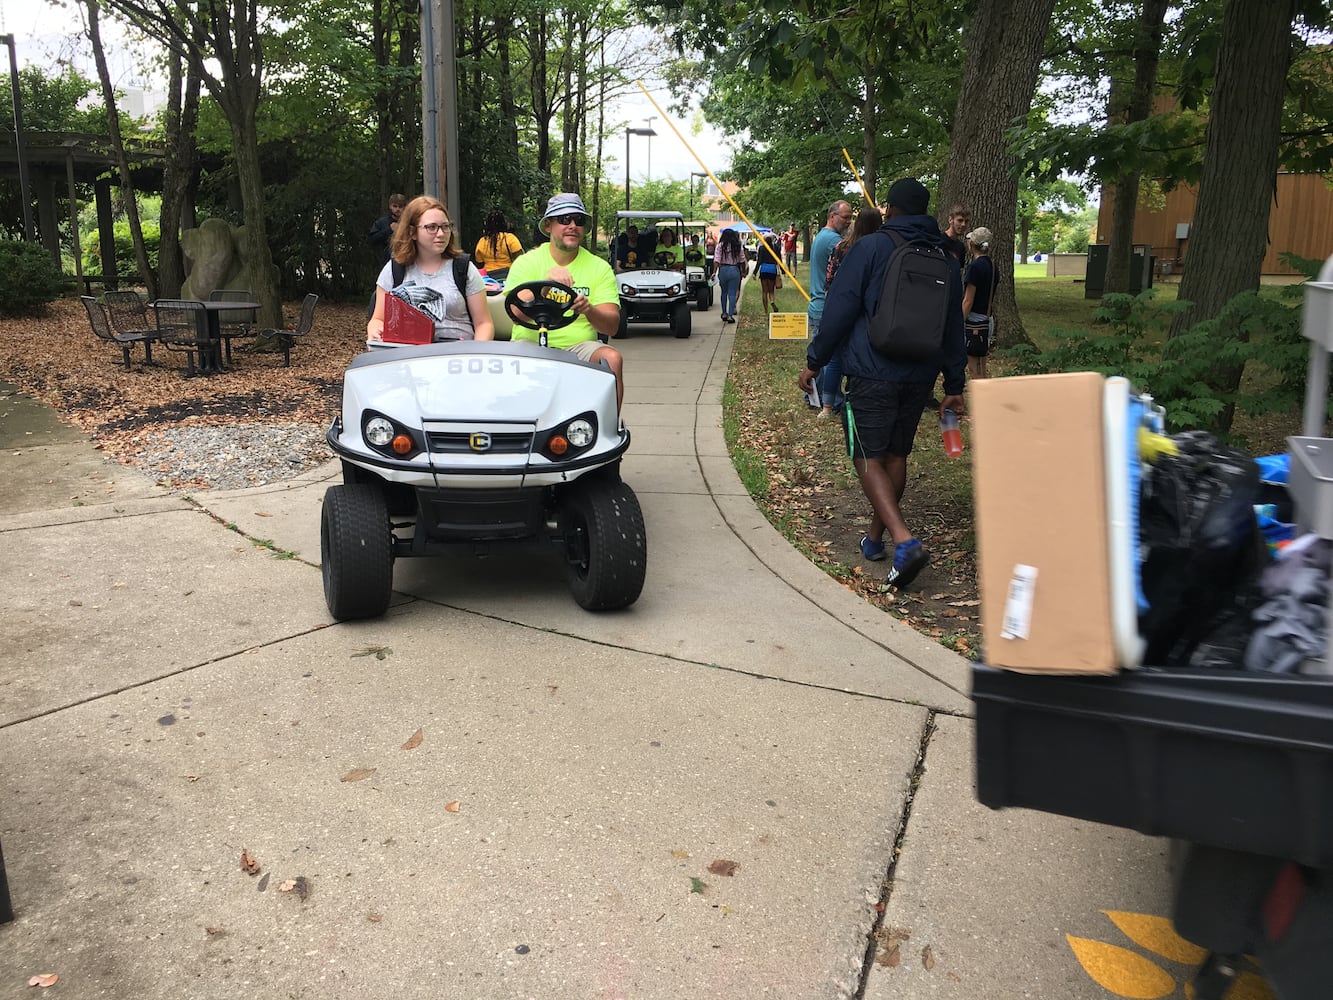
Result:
[[596, 298], [674, 251], [498, 247]]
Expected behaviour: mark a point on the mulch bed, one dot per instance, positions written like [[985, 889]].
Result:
[[54, 356]]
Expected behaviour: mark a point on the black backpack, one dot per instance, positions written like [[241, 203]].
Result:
[[909, 322], [460, 274]]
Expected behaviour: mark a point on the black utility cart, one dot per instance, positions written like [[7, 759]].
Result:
[[1235, 766]]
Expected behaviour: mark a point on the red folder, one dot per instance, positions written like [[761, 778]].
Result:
[[406, 324]]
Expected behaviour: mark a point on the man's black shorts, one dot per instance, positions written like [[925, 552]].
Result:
[[880, 418]]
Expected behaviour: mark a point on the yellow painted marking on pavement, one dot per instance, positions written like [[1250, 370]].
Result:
[[1121, 971], [1158, 935]]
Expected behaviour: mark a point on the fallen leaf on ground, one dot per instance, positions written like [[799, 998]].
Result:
[[889, 957], [358, 774], [44, 980], [413, 741], [215, 931], [379, 652], [697, 885], [679, 854], [248, 863], [452, 807], [374, 918], [927, 958], [260, 513], [724, 867], [287, 885]]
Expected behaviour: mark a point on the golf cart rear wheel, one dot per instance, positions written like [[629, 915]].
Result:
[[703, 299], [606, 545], [680, 319], [356, 552]]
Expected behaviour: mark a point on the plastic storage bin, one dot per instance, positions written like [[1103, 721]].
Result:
[[1239, 760]]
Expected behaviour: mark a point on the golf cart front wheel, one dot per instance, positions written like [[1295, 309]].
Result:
[[356, 552], [703, 298], [606, 546], [680, 319]]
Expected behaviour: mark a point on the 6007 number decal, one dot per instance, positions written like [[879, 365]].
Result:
[[481, 366]]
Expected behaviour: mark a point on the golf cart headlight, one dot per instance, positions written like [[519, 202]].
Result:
[[379, 431], [628, 290], [675, 289], [580, 433]]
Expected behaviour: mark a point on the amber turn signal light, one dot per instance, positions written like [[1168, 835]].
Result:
[[558, 445], [402, 444]]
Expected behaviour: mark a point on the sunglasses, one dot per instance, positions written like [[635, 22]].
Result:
[[575, 219], [437, 227]]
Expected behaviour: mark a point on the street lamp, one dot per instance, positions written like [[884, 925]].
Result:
[[629, 132], [19, 149], [651, 133]]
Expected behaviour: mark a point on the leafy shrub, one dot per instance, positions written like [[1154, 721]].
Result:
[[1261, 334], [126, 262], [29, 278]]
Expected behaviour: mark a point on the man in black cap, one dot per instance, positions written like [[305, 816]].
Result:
[[885, 398]]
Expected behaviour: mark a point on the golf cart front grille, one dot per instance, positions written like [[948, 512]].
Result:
[[467, 443], [478, 515]]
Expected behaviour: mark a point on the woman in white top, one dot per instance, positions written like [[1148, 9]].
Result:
[[424, 247]]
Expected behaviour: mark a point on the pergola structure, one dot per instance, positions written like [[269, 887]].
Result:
[[56, 163]]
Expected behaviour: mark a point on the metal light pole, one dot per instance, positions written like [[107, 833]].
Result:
[[439, 104], [651, 133], [19, 149], [629, 132], [694, 202]]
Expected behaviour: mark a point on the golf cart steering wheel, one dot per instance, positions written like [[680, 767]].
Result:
[[694, 256], [662, 259], [546, 310]]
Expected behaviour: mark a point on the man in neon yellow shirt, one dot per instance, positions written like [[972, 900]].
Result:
[[596, 299]]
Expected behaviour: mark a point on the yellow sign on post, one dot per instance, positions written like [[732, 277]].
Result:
[[788, 326]]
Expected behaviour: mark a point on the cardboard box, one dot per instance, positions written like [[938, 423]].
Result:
[[1042, 533]]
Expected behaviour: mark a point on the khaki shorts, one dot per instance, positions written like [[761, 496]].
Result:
[[584, 349]]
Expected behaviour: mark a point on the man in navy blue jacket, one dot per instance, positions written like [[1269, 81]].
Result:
[[885, 398]]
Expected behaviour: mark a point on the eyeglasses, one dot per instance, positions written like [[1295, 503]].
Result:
[[570, 220], [437, 227]]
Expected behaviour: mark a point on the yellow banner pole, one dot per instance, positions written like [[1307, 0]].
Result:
[[718, 184], [855, 173]]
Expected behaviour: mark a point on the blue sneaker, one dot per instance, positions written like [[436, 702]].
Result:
[[909, 559], [872, 550]]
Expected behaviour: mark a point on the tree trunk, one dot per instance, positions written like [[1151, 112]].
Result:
[[178, 172], [379, 47], [1003, 58], [122, 161], [511, 186], [870, 131], [1147, 49], [1230, 232]]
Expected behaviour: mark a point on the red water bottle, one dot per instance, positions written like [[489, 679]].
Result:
[[949, 432]]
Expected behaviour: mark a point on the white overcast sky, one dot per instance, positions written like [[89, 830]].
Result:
[[44, 33]]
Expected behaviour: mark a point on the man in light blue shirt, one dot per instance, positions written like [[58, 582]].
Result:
[[839, 218]]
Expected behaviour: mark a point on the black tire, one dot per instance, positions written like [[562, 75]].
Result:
[[680, 319], [703, 299], [710, 296], [356, 552], [606, 545], [623, 329]]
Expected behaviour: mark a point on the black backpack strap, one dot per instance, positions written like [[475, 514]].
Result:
[[460, 274], [396, 273]]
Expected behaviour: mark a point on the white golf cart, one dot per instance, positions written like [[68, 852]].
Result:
[[698, 268], [481, 443], [651, 289]]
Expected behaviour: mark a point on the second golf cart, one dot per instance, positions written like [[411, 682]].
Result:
[[657, 283]]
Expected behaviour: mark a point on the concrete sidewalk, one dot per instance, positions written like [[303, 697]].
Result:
[[176, 694]]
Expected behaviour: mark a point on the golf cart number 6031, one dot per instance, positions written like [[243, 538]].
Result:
[[481, 366]]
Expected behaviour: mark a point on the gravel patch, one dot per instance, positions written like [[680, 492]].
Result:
[[230, 456]]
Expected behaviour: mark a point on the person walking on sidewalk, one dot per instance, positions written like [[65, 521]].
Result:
[[821, 248], [885, 398], [729, 258], [868, 222]]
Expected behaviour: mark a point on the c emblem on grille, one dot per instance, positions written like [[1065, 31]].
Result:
[[479, 442]]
